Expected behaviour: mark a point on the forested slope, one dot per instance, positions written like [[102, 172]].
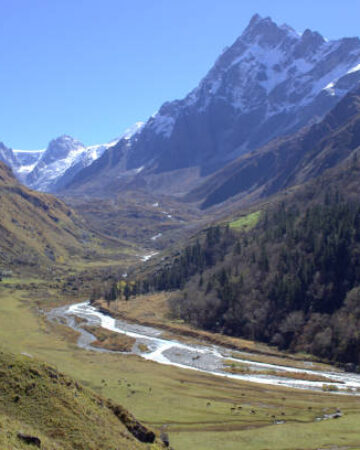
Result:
[[293, 280]]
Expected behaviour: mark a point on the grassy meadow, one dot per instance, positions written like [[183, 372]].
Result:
[[198, 411], [246, 222]]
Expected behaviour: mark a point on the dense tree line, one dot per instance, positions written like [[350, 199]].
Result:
[[113, 289], [293, 281], [195, 258]]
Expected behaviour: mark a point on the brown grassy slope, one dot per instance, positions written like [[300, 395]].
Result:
[[36, 228], [38, 400]]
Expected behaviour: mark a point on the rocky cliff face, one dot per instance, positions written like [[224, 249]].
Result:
[[271, 82], [7, 156]]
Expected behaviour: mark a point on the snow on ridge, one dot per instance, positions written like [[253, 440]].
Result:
[[26, 169], [133, 130], [334, 76], [42, 150], [162, 124], [139, 169], [330, 88], [47, 170], [128, 134], [354, 69], [262, 64]]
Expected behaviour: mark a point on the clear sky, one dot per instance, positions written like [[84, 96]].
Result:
[[91, 68]]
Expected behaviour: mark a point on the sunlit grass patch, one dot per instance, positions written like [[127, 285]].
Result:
[[246, 222]]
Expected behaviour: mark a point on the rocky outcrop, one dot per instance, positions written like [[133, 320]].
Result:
[[138, 430]]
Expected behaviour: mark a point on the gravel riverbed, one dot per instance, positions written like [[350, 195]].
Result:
[[204, 358]]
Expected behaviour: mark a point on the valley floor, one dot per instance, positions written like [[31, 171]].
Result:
[[198, 411]]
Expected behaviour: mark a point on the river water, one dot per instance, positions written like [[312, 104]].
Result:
[[203, 358]]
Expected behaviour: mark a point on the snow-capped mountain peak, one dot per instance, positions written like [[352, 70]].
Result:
[[59, 155], [63, 158], [61, 148], [266, 32], [270, 82]]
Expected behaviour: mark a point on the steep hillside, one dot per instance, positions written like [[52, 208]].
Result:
[[271, 82], [41, 407], [37, 229], [288, 161]]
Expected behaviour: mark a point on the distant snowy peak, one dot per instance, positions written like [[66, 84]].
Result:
[[57, 158], [62, 154], [62, 160], [61, 148]]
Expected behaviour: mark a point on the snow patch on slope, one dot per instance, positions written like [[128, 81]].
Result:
[[162, 124]]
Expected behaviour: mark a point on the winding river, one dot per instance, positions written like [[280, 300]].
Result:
[[209, 359]]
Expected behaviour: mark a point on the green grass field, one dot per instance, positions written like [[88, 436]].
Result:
[[246, 222], [196, 409]]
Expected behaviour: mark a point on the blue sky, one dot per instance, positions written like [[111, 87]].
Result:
[[91, 68]]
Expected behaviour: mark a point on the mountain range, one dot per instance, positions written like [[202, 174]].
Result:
[[52, 168], [270, 84], [44, 169]]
